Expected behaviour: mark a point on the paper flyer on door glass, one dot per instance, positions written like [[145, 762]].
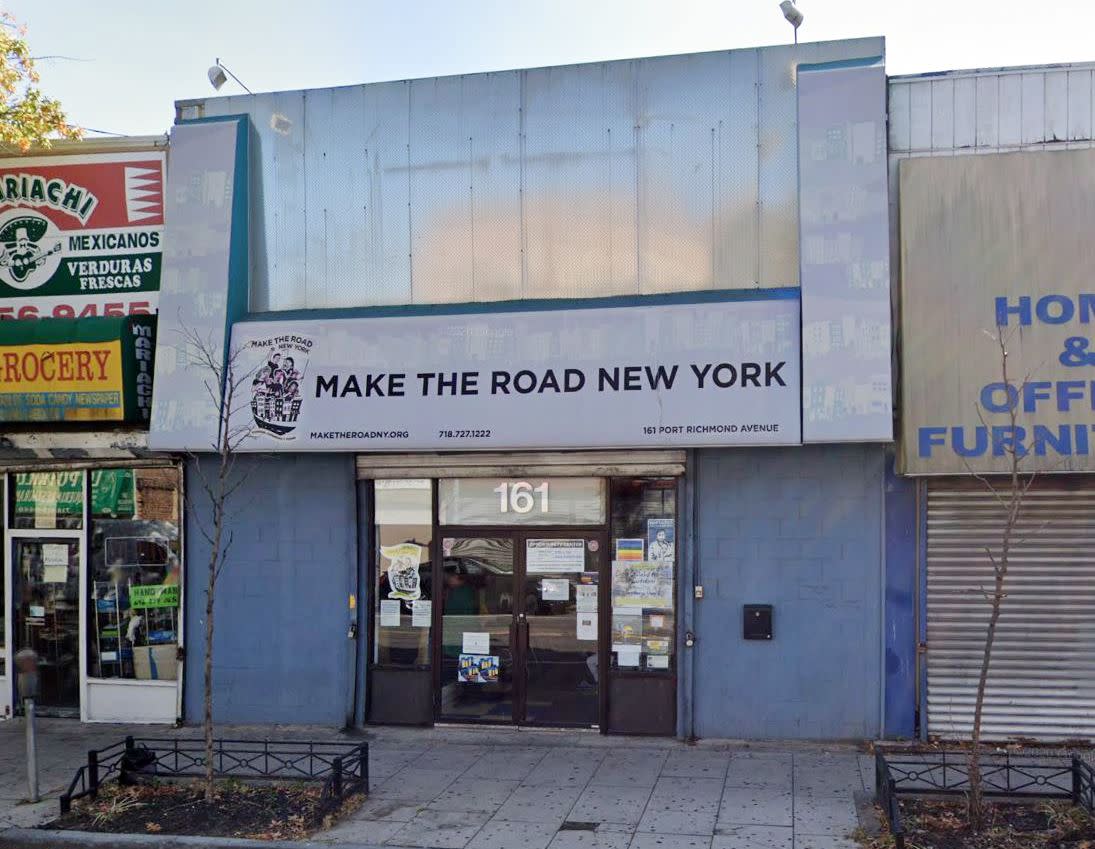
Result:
[[555, 589], [55, 554], [586, 597], [476, 642], [477, 669], [547, 556], [660, 538], [389, 613], [642, 584], [421, 613], [587, 625]]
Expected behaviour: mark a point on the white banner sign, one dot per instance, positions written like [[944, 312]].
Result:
[[716, 373]]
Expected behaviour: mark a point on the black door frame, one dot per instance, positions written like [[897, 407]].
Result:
[[519, 534]]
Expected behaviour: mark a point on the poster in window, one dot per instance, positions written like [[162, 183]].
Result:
[[660, 539], [403, 578], [627, 628], [630, 549], [643, 584]]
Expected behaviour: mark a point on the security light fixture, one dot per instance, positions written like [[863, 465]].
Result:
[[792, 14], [219, 74]]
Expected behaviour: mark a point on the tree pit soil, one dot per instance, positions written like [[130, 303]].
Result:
[[932, 824], [256, 812]]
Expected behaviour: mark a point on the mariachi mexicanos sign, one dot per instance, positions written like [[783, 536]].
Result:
[[81, 236]]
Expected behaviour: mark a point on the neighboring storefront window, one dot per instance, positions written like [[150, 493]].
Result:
[[49, 500], [515, 501], [404, 608], [135, 580], [644, 551]]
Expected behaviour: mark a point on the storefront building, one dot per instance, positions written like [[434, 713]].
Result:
[[563, 398], [92, 559], [992, 177]]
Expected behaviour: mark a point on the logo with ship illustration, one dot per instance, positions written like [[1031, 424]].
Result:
[[29, 250], [276, 389]]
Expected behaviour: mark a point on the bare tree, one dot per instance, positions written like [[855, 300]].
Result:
[[1009, 494], [225, 383]]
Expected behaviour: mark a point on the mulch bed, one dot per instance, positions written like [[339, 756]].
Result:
[[933, 824], [258, 812]]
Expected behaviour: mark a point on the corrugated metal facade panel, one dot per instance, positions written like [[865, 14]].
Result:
[[991, 111], [665, 174], [1042, 677]]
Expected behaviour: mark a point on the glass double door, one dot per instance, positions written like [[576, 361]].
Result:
[[520, 635]]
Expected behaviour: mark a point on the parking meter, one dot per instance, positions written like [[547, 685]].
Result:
[[26, 665]]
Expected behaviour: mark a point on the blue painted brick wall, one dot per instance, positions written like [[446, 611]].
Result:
[[280, 649], [801, 529]]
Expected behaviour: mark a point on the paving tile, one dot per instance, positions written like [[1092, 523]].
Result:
[[439, 830], [539, 804], [478, 794], [419, 785], [753, 806], [825, 815], [573, 767], [506, 834], [630, 767], [827, 775], [359, 831], [756, 771], [448, 758], [670, 841], [696, 764], [590, 840], [616, 826], [609, 803], [509, 764], [755, 837], [683, 806], [823, 841], [388, 810]]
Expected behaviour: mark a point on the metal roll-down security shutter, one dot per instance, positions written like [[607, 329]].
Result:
[[1042, 678], [522, 464]]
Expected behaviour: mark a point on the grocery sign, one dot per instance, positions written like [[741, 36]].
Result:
[[81, 236], [94, 369]]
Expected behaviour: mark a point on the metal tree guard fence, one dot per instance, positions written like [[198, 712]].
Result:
[[342, 767], [1003, 775]]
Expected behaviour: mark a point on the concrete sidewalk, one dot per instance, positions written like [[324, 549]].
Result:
[[449, 788]]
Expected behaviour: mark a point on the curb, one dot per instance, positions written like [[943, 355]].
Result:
[[37, 838]]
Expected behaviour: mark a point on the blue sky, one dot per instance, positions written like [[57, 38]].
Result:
[[136, 58]]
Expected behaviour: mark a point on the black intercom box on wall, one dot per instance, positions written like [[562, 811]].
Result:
[[758, 621]]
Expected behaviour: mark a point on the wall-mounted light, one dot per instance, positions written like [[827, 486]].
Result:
[[219, 74], [792, 14]]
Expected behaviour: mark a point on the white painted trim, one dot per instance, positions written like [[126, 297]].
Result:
[[130, 682], [7, 680], [77, 536]]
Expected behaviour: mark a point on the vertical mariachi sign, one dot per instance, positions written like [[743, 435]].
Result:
[[81, 236]]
